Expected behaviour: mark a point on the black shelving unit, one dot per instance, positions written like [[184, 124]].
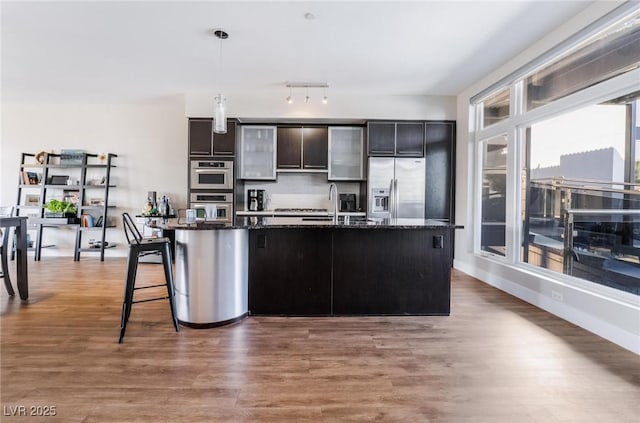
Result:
[[40, 221]]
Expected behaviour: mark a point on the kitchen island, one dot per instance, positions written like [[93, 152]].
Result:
[[311, 266]]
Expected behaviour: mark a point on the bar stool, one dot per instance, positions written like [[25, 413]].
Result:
[[139, 246], [4, 252]]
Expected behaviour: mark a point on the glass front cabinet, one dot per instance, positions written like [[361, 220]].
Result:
[[346, 158], [258, 152]]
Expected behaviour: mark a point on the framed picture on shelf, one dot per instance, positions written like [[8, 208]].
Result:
[[58, 179], [71, 157], [31, 199], [30, 178]]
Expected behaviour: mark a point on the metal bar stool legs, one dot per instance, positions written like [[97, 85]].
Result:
[[171, 289], [132, 267]]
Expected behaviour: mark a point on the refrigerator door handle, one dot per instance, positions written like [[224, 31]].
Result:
[[396, 192], [391, 197]]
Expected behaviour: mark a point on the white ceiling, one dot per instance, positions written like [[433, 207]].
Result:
[[103, 52]]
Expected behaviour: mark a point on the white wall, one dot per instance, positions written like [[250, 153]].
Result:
[[246, 105], [149, 139], [609, 313]]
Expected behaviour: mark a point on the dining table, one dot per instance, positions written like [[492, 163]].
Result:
[[20, 223]]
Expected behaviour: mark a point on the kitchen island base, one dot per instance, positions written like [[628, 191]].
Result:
[[350, 271], [211, 276]]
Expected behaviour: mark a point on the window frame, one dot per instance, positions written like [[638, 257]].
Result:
[[514, 126]]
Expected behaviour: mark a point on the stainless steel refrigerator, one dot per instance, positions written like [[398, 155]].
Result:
[[396, 187]]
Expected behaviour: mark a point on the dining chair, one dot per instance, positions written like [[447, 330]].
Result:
[[4, 251]]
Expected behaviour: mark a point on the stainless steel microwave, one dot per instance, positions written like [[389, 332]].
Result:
[[211, 174]]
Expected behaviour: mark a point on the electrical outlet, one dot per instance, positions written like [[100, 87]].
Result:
[[557, 296]]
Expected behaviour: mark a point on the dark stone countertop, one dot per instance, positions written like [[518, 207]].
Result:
[[315, 222]]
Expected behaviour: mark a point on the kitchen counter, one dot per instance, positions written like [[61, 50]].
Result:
[[263, 222], [296, 213]]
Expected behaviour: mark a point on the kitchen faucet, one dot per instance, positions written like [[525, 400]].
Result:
[[334, 196]]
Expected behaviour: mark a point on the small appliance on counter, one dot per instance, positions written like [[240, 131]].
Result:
[[255, 199], [347, 202]]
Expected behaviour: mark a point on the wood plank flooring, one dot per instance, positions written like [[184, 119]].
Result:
[[495, 359]]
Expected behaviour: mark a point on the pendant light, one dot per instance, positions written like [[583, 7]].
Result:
[[220, 109]]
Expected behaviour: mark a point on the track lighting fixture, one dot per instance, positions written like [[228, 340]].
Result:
[[306, 86]]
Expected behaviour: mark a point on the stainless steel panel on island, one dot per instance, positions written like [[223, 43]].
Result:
[[211, 275]]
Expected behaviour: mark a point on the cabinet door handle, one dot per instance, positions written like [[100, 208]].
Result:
[[382, 151], [199, 152], [223, 152], [314, 166]]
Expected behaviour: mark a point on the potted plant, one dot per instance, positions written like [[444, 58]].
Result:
[[57, 208]]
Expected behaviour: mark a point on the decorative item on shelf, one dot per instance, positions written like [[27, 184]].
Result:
[[30, 178], [31, 199], [103, 158], [87, 221], [71, 195], [58, 180], [40, 156], [96, 202], [71, 157], [57, 208]]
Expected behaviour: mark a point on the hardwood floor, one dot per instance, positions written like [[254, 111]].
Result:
[[495, 359]]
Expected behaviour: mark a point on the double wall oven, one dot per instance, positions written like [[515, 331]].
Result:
[[212, 184]]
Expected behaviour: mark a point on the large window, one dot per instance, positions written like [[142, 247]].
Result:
[[613, 52], [494, 195], [576, 149], [495, 108], [576, 201]]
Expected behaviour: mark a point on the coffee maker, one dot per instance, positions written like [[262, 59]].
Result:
[[347, 202], [255, 199]]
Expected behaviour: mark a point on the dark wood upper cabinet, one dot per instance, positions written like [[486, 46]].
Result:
[[204, 142], [302, 148], [225, 144], [440, 167], [200, 133], [396, 139], [382, 138], [410, 139], [289, 152], [315, 148]]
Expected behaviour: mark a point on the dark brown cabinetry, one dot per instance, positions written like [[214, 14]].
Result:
[[406, 276], [343, 271], [315, 148], [290, 272], [289, 151], [204, 142], [396, 139], [382, 138], [302, 148], [410, 139], [440, 167]]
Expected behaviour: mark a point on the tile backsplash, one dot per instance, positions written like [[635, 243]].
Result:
[[301, 190]]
